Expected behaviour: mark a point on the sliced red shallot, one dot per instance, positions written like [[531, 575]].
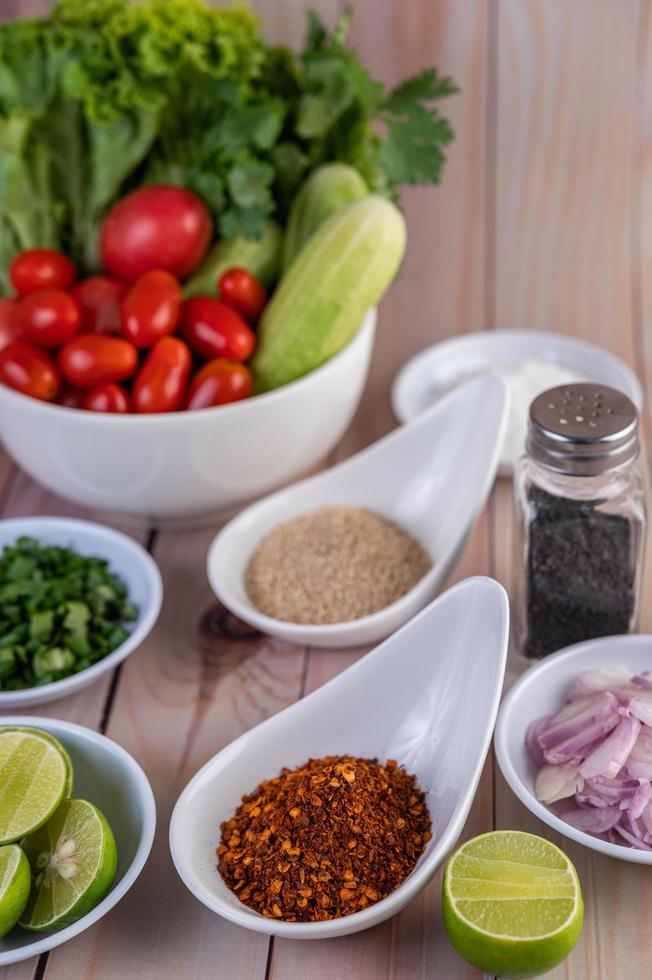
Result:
[[534, 729], [558, 782], [643, 679], [641, 708], [599, 679], [573, 718], [612, 754], [640, 801], [593, 821], [639, 763]]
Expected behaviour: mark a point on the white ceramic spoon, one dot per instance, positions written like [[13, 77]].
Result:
[[431, 477], [427, 697]]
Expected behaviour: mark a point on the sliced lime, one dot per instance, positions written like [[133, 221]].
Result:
[[33, 779], [512, 904], [49, 737], [73, 859], [15, 882]]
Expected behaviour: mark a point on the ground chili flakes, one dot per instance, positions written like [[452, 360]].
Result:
[[324, 840]]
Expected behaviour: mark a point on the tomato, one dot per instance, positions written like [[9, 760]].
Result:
[[243, 292], [90, 359], [213, 329], [107, 398], [99, 298], [29, 370], [41, 268], [155, 227], [151, 308], [9, 329], [218, 383], [71, 397], [48, 318], [161, 382]]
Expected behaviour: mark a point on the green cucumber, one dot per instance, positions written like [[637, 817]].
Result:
[[327, 189], [318, 306], [261, 256]]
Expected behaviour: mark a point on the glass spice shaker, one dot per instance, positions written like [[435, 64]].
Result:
[[580, 501]]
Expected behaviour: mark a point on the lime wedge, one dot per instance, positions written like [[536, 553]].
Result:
[[512, 904], [49, 737], [33, 777], [73, 859], [15, 882]]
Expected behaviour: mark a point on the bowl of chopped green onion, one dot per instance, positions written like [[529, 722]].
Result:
[[76, 598]]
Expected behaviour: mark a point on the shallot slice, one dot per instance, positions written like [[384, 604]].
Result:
[[612, 754], [639, 802], [577, 745], [534, 729], [599, 679], [640, 707], [639, 763], [593, 821], [644, 680], [574, 718], [558, 782]]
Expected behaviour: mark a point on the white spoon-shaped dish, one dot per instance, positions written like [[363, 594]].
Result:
[[432, 478], [427, 697]]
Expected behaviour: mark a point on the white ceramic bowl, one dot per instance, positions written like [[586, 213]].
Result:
[[432, 478], [105, 774], [188, 465], [409, 699], [126, 557], [438, 367], [541, 691]]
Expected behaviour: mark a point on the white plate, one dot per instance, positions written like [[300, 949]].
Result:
[[541, 691], [106, 775], [442, 364], [431, 478], [409, 699], [126, 557]]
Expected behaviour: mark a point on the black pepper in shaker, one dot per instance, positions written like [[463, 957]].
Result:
[[580, 499]]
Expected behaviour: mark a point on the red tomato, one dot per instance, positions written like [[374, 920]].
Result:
[[90, 359], [213, 329], [99, 298], [9, 329], [48, 318], [161, 383], [29, 370], [71, 397], [218, 383], [155, 227], [107, 398], [243, 292], [151, 308], [41, 268]]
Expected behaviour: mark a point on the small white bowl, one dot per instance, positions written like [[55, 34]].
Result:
[[409, 699], [126, 557], [185, 467], [446, 364], [542, 690], [432, 478], [106, 775]]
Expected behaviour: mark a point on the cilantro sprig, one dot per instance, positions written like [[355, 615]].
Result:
[[60, 612]]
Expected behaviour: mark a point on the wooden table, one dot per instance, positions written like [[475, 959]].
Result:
[[544, 221]]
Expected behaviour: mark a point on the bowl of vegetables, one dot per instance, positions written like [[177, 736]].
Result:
[[76, 598], [190, 283]]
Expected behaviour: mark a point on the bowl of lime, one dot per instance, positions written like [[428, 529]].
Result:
[[77, 820]]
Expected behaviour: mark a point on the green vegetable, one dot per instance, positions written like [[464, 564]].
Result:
[[341, 272], [106, 95], [60, 612], [259, 256], [328, 188]]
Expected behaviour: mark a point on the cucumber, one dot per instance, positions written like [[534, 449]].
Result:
[[318, 306], [327, 189], [261, 256]]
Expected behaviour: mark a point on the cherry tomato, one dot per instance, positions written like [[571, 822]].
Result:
[[243, 292], [161, 383], [41, 268], [9, 329], [90, 359], [151, 308], [218, 383], [107, 398], [99, 298], [156, 227], [29, 370], [213, 329], [48, 318], [71, 397]]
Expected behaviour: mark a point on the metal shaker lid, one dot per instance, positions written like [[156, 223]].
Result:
[[583, 429]]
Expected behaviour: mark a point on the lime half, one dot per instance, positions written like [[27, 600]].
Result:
[[73, 859], [15, 882], [49, 737], [512, 904], [33, 779]]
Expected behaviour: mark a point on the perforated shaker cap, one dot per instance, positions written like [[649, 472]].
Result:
[[583, 429]]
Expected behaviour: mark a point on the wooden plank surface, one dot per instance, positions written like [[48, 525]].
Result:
[[543, 222]]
